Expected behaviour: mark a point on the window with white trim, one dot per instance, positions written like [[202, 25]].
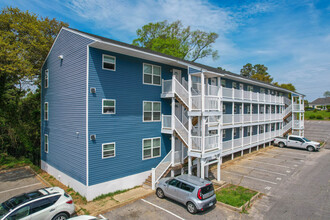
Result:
[[235, 132], [151, 111], [223, 108], [108, 106], [46, 111], [235, 108], [223, 133], [108, 150], [151, 148], [250, 88], [46, 78], [46, 145], [151, 74], [248, 109], [248, 131], [234, 85], [108, 62], [223, 83]]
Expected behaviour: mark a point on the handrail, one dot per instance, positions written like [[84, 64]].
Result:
[[153, 171]]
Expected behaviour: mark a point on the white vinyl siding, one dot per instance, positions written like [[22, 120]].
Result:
[[46, 78], [108, 106], [108, 62], [108, 150], [150, 148], [46, 143], [151, 74], [151, 111], [46, 111]]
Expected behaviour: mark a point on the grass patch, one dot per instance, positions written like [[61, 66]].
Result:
[[9, 162], [112, 194], [317, 115], [234, 195]]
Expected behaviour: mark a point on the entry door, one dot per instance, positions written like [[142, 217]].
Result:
[[177, 74], [213, 81]]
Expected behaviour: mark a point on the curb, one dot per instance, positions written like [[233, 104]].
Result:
[[122, 204], [39, 177]]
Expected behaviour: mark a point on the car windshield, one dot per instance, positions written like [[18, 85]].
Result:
[[3, 210], [305, 139], [17, 200]]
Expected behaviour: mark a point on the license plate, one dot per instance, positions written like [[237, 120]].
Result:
[[211, 204]]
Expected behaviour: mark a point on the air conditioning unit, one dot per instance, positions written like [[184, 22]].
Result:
[[93, 90], [93, 137]]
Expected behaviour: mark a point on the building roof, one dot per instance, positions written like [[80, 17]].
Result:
[[320, 101], [202, 66]]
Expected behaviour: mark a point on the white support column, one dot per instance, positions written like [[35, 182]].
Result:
[[202, 168], [203, 133], [242, 112], [189, 90], [189, 165], [219, 168], [232, 138], [242, 136], [251, 131], [199, 167], [258, 112], [202, 92], [251, 108], [173, 128]]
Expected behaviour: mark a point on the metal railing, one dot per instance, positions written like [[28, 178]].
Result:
[[167, 122], [227, 145], [196, 143], [211, 142], [158, 172]]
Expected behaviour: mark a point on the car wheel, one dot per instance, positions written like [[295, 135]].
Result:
[[60, 216], [310, 148], [160, 193], [191, 208], [281, 145]]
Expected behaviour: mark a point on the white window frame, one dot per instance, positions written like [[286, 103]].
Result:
[[152, 111], [114, 150], [248, 131], [46, 78], [234, 85], [46, 151], [235, 132], [115, 62], [152, 75], [152, 152], [223, 81], [223, 108], [235, 108], [46, 112], [114, 106], [223, 133], [250, 88], [248, 109]]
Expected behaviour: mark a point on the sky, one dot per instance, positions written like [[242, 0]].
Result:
[[291, 38]]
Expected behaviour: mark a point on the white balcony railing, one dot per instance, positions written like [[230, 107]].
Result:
[[213, 90], [167, 122], [226, 145], [247, 118], [237, 118], [298, 107], [211, 142], [167, 86], [196, 102], [237, 94], [211, 103], [237, 142], [254, 138], [196, 143], [227, 118], [227, 92], [254, 117], [246, 140]]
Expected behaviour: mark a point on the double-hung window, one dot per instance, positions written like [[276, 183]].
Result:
[[108, 106], [151, 74], [46, 111], [46, 143], [151, 111], [108, 62], [151, 148], [46, 78], [108, 150]]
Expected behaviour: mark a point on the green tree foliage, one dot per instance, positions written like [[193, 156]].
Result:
[[25, 40], [257, 71], [287, 86], [175, 40], [326, 94]]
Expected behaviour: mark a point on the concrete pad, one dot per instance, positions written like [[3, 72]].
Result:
[[132, 194]]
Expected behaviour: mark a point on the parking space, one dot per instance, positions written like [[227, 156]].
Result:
[[266, 170], [17, 181]]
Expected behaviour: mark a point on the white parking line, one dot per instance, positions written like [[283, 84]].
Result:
[[261, 170], [273, 164], [102, 216], [162, 209], [284, 156], [249, 177], [273, 158], [20, 188]]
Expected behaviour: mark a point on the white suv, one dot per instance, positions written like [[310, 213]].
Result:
[[48, 203]]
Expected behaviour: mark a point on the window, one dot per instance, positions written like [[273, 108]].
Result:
[[223, 83], [235, 108], [250, 88], [248, 109], [223, 133], [234, 85], [151, 74], [46, 143], [223, 108], [151, 111], [46, 111], [262, 90], [235, 132], [151, 148], [261, 109], [108, 150], [20, 213], [108, 106], [187, 187], [108, 62], [46, 78], [175, 183], [40, 205], [261, 129]]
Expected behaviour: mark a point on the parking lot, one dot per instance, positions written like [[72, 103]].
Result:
[[266, 171], [17, 181]]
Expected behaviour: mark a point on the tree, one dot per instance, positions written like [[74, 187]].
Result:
[[287, 86], [326, 94], [257, 71], [220, 68], [25, 40], [175, 40]]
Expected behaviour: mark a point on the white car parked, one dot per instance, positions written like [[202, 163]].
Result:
[[297, 141], [48, 203]]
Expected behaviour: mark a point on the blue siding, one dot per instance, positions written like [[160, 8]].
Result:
[[67, 106], [228, 134], [228, 107], [126, 127]]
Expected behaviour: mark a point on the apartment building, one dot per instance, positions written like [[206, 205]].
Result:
[[114, 115]]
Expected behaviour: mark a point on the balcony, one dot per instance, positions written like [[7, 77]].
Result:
[[298, 107], [231, 93], [211, 143], [228, 119], [298, 124]]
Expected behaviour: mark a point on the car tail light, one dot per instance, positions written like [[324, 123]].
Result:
[[69, 202], [199, 194]]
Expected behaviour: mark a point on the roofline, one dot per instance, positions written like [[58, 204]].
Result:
[[191, 64]]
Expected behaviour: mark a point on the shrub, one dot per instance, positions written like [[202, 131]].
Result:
[[308, 108], [312, 117], [315, 110], [319, 117]]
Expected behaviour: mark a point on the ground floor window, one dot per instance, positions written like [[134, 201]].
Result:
[[108, 150], [46, 143], [151, 148]]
